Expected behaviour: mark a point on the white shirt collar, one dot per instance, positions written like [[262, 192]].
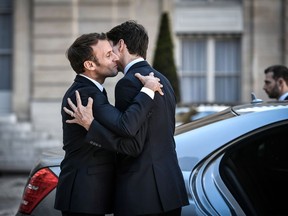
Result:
[[94, 81], [132, 63], [283, 96]]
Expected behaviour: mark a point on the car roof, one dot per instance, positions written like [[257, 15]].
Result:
[[205, 136], [232, 111], [260, 106]]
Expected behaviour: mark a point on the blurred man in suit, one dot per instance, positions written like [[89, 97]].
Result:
[[276, 82]]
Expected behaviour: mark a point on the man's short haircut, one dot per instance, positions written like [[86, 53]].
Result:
[[134, 35], [279, 71], [81, 50]]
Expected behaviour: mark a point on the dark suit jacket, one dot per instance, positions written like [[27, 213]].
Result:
[[151, 182], [87, 179]]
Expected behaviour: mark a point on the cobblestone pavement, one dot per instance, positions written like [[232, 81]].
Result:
[[11, 189]]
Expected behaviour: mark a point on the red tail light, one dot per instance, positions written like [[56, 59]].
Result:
[[40, 184]]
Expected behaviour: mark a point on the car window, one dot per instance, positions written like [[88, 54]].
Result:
[[256, 171]]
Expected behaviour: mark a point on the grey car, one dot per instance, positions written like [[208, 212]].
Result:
[[234, 162]]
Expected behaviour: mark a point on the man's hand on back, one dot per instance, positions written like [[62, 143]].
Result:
[[151, 82], [83, 115]]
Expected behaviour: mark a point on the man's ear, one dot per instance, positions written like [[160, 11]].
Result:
[[280, 81], [89, 65], [122, 44]]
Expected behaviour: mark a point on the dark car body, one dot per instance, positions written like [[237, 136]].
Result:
[[234, 162]]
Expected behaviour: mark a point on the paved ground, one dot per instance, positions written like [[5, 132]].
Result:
[[11, 188]]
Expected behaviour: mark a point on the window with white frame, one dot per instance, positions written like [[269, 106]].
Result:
[[5, 42], [210, 69], [5, 54]]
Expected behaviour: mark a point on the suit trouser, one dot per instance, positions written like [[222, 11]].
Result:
[[80, 214], [174, 212]]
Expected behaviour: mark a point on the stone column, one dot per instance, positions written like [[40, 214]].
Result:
[[22, 59]]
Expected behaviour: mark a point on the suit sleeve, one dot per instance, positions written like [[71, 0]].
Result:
[[101, 137], [126, 123], [126, 95], [121, 131]]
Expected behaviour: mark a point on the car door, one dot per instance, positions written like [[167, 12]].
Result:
[[255, 171], [247, 176]]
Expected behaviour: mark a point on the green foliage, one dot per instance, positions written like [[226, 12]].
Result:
[[164, 57]]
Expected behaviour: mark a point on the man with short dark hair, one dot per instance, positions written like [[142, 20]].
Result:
[[276, 82], [151, 184]]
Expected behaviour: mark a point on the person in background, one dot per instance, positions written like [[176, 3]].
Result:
[[86, 183], [152, 183], [276, 82]]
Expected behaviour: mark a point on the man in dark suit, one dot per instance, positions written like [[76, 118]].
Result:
[[276, 82], [152, 183], [87, 177]]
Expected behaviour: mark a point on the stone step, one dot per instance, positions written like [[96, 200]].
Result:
[[21, 145]]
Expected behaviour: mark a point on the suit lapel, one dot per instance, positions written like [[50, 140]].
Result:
[[80, 80]]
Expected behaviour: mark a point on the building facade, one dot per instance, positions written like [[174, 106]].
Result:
[[221, 49]]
